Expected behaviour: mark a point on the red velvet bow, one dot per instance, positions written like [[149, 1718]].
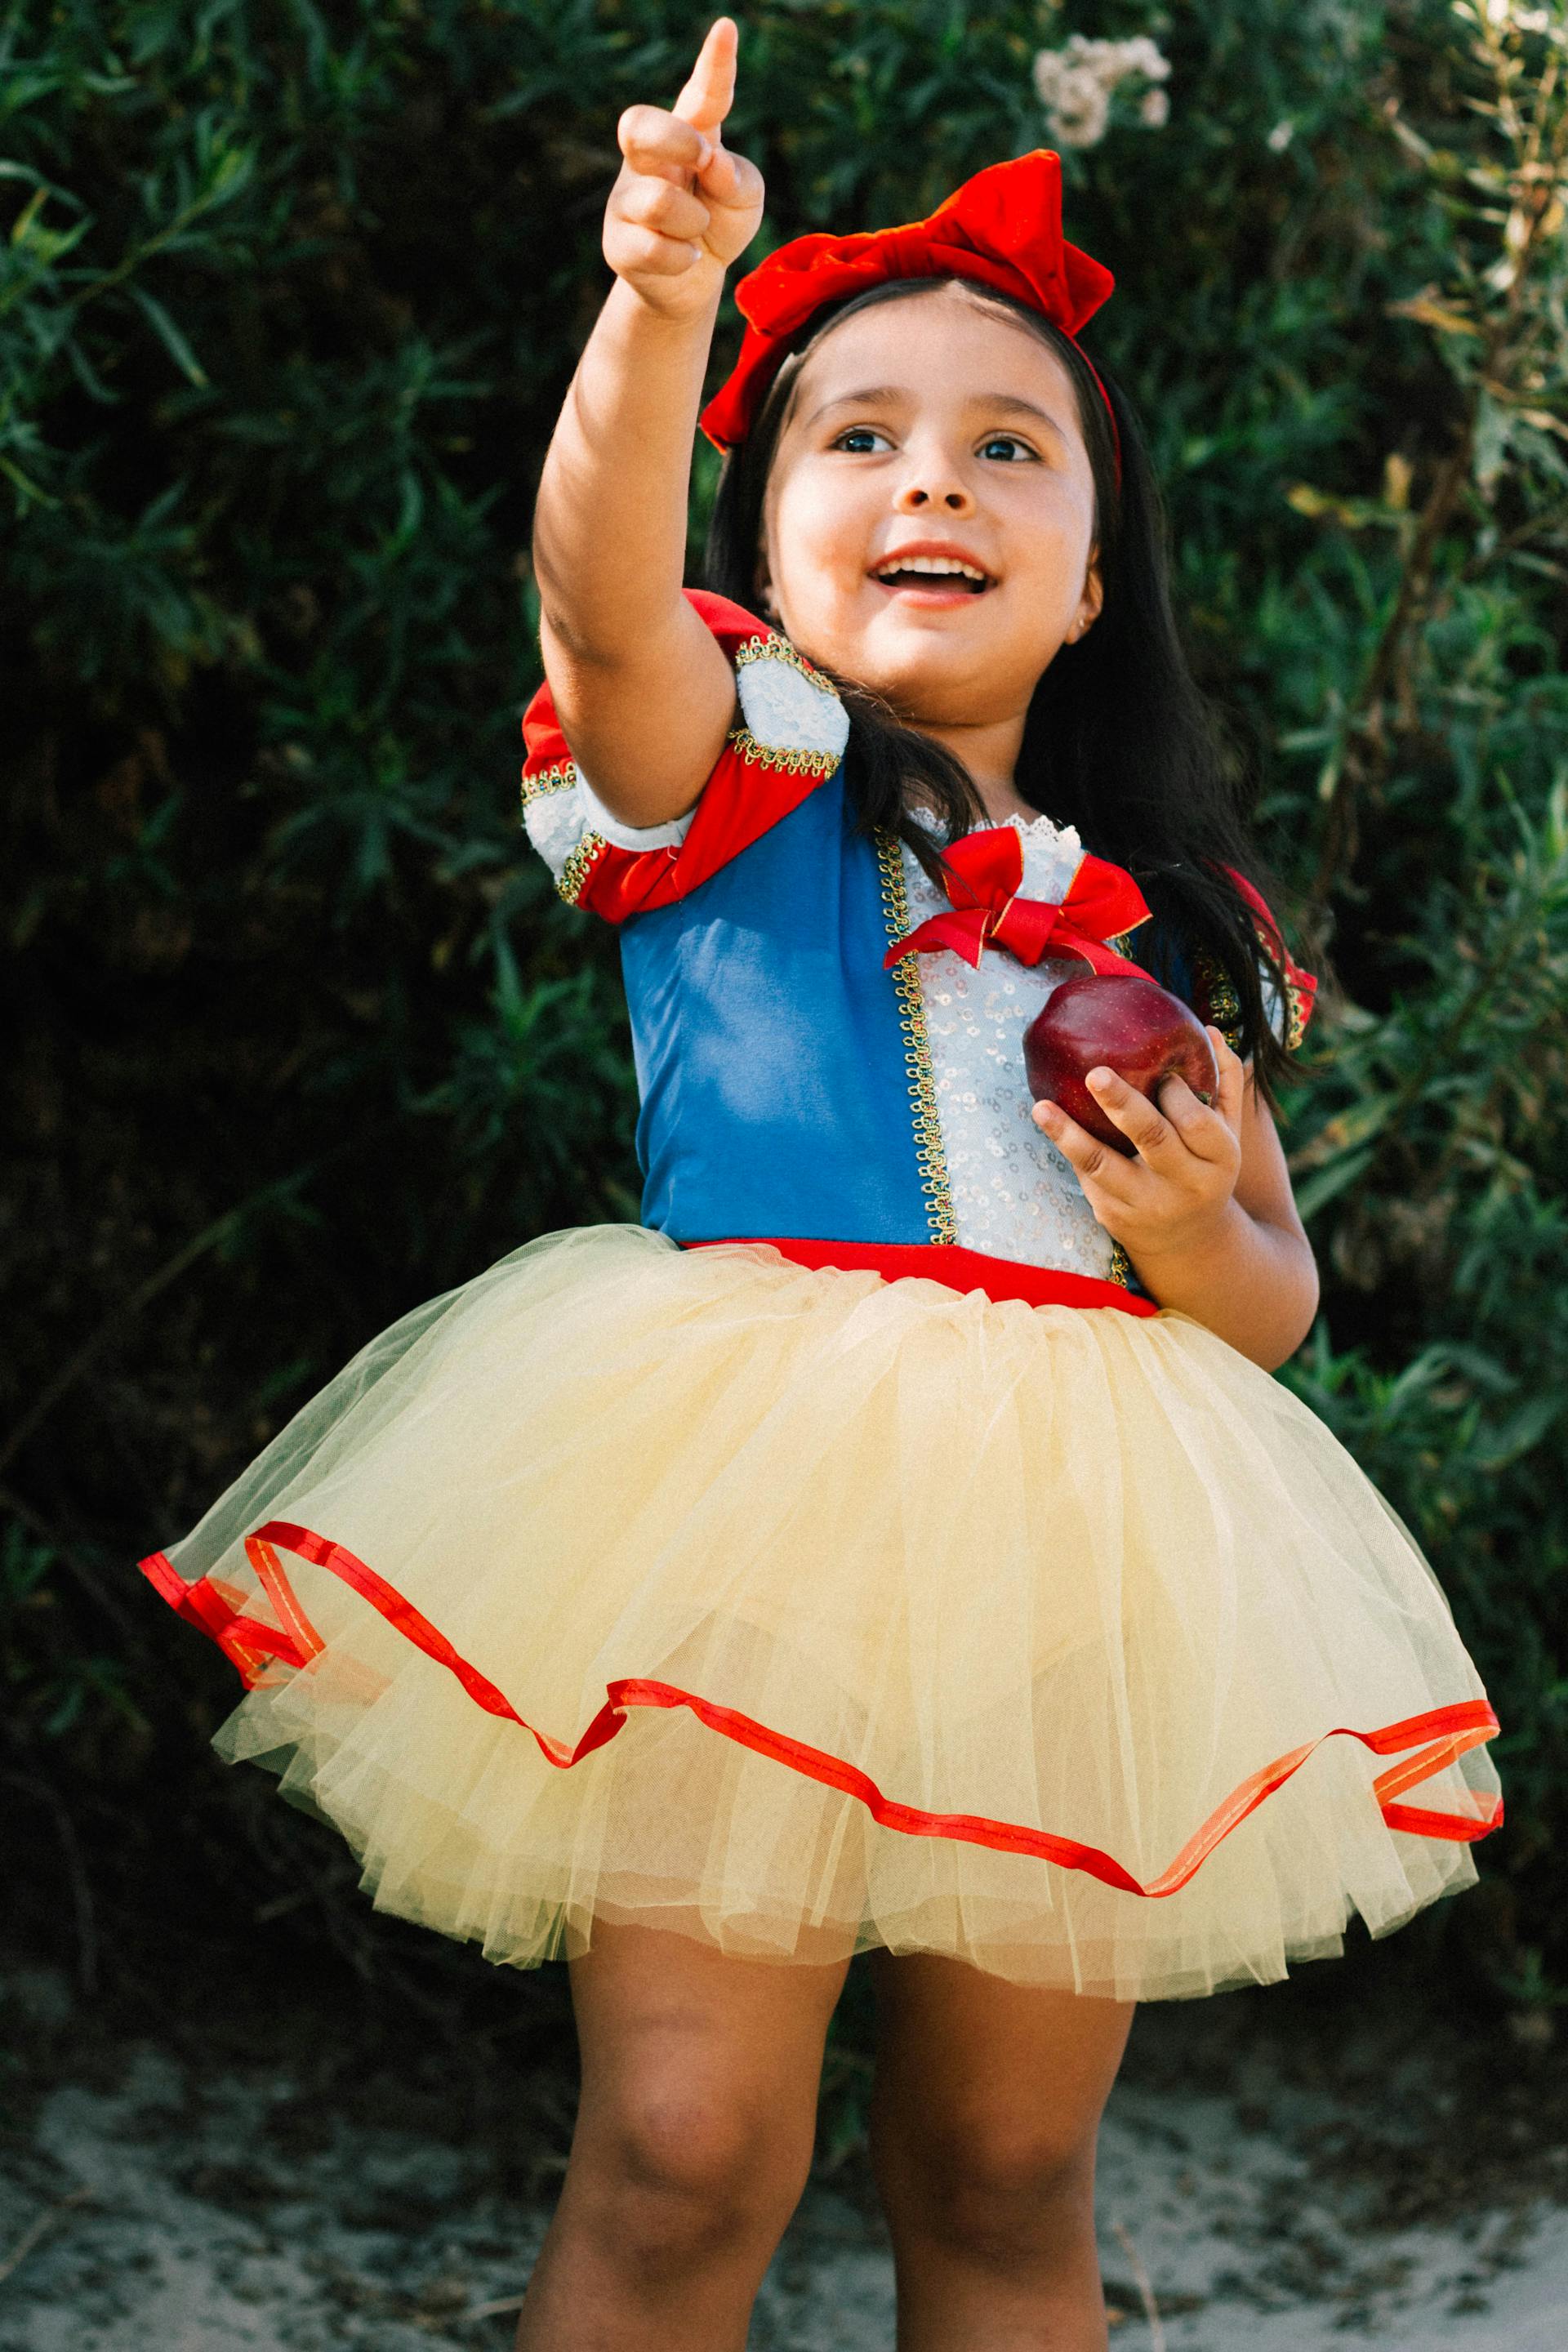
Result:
[[981, 874], [1003, 229]]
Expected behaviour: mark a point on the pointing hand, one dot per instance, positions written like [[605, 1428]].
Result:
[[684, 208]]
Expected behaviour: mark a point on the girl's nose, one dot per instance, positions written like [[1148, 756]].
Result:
[[935, 487]]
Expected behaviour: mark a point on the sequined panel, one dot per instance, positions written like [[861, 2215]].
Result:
[[1012, 1193]]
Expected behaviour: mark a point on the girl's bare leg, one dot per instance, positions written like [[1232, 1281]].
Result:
[[984, 2123], [694, 2136]]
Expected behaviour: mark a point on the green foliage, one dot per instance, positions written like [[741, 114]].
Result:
[[289, 296]]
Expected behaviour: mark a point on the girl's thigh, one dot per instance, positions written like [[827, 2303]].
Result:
[[979, 2075], [699, 2071]]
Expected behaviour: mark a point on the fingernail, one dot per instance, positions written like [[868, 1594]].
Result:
[[1047, 1114], [1099, 1078]]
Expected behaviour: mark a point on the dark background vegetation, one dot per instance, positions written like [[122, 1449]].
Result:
[[289, 296]]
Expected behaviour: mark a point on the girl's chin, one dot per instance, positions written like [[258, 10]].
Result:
[[980, 628], [910, 640]]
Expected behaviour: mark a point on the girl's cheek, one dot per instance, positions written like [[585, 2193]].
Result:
[[830, 532], [822, 538]]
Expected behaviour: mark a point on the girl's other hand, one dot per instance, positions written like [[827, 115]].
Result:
[[1177, 1192], [1204, 1207], [684, 208]]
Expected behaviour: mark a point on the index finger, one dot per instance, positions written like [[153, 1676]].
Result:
[[710, 89], [661, 144]]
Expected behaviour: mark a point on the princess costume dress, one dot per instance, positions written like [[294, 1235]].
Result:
[[848, 1554]]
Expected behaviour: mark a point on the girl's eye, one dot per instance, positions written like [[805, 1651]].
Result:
[[858, 439], [1007, 447]]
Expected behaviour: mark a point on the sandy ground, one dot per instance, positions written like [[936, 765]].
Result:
[[1276, 2199]]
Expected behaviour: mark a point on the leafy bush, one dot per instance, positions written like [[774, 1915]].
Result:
[[289, 297]]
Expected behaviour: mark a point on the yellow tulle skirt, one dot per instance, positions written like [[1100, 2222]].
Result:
[[802, 1611]]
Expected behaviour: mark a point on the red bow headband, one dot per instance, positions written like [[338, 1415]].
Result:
[[1002, 229]]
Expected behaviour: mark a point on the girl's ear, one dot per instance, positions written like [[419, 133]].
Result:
[[1092, 599], [766, 602]]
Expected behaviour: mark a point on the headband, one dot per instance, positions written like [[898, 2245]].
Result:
[[1003, 229]]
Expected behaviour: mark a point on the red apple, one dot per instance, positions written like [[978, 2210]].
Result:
[[1134, 1027]]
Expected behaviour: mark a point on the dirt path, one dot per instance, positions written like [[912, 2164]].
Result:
[[1278, 2204]]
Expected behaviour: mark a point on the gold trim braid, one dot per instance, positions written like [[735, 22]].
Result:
[[1220, 999], [928, 1153], [1225, 1007], [741, 741], [558, 779], [1297, 1004], [774, 647], [573, 878]]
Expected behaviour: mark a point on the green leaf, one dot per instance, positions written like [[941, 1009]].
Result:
[[1318, 1191], [169, 335]]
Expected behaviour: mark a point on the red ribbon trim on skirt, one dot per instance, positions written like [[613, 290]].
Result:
[[960, 1269], [249, 1644]]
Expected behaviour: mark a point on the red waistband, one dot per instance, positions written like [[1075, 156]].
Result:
[[961, 1269]]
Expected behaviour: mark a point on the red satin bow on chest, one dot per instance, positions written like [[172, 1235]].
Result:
[[981, 873]]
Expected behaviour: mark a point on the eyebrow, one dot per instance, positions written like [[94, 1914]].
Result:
[[1022, 407], [874, 396], [871, 396]]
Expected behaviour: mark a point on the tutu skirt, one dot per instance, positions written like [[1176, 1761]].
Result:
[[803, 1612]]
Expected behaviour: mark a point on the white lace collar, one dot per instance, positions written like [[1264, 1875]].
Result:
[[1052, 851], [928, 819]]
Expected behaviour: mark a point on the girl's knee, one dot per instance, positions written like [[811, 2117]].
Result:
[[682, 2177], [1002, 2191]]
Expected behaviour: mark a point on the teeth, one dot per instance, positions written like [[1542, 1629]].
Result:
[[939, 566]]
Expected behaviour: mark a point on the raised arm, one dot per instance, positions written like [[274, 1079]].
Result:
[[643, 695]]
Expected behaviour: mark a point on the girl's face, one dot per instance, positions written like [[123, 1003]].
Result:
[[941, 431]]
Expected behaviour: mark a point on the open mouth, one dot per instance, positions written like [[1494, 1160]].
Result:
[[933, 574]]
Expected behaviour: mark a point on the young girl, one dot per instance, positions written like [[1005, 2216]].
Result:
[[895, 1541]]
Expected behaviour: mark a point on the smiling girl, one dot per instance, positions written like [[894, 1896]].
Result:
[[895, 1541]]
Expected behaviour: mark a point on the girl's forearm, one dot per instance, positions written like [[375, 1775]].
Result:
[[643, 693], [609, 542], [1254, 1284]]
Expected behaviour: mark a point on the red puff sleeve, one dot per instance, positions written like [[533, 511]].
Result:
[[1288, 1017], [789, 738]]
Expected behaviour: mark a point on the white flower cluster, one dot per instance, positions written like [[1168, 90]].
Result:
[[1074, 85], [1510, 15]]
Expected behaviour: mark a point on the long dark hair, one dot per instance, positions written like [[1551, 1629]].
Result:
[[1120, 742]]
